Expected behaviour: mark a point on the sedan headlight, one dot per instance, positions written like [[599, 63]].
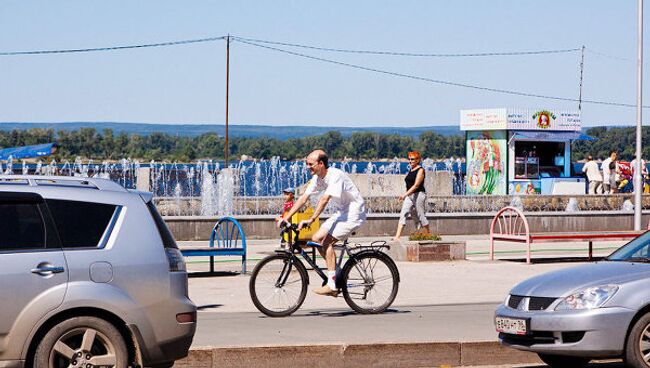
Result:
[[590, 298]]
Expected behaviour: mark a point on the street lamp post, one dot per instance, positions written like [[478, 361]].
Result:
[[638, 186], [226, 148]]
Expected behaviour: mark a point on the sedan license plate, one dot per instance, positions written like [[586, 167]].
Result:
[[513, 326]]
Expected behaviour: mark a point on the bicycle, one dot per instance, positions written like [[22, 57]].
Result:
[[368, 280]]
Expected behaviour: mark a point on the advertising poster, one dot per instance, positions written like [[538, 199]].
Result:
[[486, 162], [526, 187]]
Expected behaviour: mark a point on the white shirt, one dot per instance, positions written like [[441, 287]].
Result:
[[338, 185], [591, 168], [644, 168], [606, 171]]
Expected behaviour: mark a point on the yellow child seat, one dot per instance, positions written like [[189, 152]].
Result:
[[308, 232]]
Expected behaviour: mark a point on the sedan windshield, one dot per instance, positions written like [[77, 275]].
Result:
[[638, 250]]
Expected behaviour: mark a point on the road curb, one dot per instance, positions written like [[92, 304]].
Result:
[[406, 355]]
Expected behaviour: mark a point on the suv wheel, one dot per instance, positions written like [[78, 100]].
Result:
[[83, 342], [560, 361], [637, 346]]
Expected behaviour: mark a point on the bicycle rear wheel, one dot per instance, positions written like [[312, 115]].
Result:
[[278, 285], [371, 281]]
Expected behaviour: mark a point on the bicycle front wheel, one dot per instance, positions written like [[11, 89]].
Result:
[[371, 281], [278, 285]]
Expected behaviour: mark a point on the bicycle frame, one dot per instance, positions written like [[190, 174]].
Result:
[[294, 248], [359, 276]]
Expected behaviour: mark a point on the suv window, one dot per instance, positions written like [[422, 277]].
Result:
[[80, 224], [21, 226], [165, 234]]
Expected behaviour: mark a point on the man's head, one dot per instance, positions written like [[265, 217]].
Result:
[[590, 157], [613, 155], [317, 161]]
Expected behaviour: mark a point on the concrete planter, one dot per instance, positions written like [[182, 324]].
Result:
[[429, 250]]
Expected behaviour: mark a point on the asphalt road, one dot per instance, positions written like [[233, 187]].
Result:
[[437, 302], [422, 323]]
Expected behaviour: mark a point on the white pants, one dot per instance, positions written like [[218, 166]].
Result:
[[595, 187]]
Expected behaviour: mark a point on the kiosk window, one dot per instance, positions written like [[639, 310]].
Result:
[[539, 159]]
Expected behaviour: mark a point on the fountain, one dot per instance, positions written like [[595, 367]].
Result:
[[208, 192], [628, 206], [225, 192], [572, 205], [254, 187], [10, 165]]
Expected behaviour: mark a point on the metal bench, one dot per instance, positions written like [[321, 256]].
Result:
[[226, 239], [510, 225]]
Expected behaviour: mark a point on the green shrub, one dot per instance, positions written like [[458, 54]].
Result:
[[423, 236]]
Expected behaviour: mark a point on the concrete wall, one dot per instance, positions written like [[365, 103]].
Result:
[[383, 185], [263, 227]]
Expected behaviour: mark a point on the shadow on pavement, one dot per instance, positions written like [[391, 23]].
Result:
[[339, 313], [553, 260], [351, 312], [208, 306], [212, 274], [604, 364]]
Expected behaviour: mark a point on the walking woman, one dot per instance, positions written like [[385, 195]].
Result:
[[415, 197]]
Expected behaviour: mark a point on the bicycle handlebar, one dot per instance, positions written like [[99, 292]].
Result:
[[287, 226]]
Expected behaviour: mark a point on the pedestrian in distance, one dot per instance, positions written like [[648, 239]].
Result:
[[644, 174], [330, 183], [593, 176], [415, 197], [609, 173]]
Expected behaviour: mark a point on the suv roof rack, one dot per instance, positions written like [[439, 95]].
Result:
[[61, 181]]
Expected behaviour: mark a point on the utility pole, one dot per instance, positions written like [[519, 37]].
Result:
[[638, 186], [582, 68], [225, 165]]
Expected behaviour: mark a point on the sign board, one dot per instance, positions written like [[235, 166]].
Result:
[[484, 119], [520, 119]]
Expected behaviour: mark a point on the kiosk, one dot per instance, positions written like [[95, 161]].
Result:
[[521, 151]]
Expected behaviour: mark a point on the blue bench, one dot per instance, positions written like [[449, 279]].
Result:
[[227, 239]]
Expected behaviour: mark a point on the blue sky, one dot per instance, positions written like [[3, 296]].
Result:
[[186, 84]]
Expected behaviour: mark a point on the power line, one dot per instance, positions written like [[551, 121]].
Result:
[[265, 44], [113, 48], [414, 54], [613, 57], [437, 81], [211, 39]]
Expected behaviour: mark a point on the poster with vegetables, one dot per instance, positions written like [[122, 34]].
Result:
[[525, 187], [486, 162]]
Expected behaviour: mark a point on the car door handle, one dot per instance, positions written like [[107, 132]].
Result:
[[47, 270]]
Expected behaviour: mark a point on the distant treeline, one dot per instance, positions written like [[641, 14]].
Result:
[[91, 144], [621, 139]]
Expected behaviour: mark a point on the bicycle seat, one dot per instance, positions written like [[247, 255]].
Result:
[[313, 244]]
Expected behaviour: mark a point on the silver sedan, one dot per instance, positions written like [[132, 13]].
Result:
[[597, 310]]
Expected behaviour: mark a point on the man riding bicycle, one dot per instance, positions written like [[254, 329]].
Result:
[[332, 183]]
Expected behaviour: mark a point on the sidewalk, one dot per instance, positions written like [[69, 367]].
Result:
[[447, 306]]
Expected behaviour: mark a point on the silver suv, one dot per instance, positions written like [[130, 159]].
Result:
[[90, 276]]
